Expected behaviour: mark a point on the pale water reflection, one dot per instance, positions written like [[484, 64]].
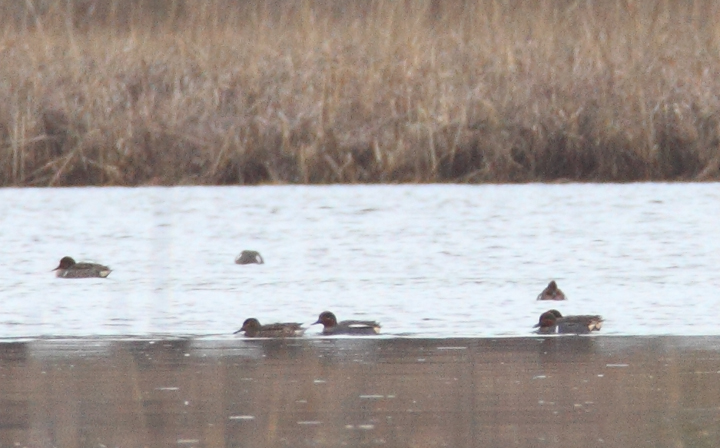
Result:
[[563, 392], [426, 261]]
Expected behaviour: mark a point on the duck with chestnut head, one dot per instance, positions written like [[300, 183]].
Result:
[[69, 268], [352, 327], [552, 322]]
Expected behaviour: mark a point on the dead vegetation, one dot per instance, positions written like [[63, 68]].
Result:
[[133, 92]]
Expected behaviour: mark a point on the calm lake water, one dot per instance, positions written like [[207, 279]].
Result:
[[568, 392], [425, 261]]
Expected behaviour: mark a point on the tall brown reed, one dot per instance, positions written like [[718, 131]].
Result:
[[111, 92]]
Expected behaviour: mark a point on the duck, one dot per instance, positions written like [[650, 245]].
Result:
[[68, 268], [249, 257], [352, 327], [253, 329], [552, 322], [551, 292]]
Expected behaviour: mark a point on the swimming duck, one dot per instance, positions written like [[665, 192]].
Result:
[[249, 257], [253, 329], [552, 292], [553, 322], [68, 268], [353, 327]]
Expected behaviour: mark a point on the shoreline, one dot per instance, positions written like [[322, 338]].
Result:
[[373, 184], [225, 339]]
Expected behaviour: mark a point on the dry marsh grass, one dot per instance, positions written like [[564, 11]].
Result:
[[133, 92]]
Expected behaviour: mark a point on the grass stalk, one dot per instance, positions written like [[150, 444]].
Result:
[[134, 92]]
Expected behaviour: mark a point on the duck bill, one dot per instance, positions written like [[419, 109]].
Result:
[[316, 322], [536, 325]]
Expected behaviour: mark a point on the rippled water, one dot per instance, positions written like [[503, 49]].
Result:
[[436, 260]]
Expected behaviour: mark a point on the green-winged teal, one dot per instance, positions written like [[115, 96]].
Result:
[[552, 292], [68, 268], [249, 257], [253, 329], [553, 322], [354, 327]]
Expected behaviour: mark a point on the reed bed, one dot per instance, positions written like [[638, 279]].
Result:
[[168, 92]]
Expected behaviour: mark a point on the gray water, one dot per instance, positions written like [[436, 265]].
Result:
[[425, 261]]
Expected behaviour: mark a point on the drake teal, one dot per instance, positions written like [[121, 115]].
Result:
[[551, 292], [352, 327], [249, 257], [253, 329], [553, 322], [68, 268]]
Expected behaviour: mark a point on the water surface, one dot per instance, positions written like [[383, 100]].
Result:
[[418, 393], [425, 261]]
